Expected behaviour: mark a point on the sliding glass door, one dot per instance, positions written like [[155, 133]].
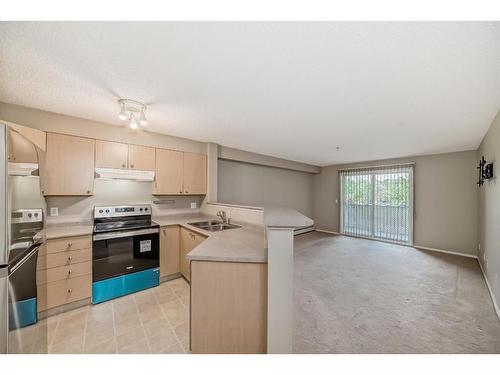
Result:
[[377, 203]]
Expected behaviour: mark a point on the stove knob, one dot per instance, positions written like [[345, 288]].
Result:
[[30, 215], [100, 211], [107, 211], [146, 209], [140, 209], [36, 214]]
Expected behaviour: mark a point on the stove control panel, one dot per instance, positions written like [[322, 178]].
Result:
[[27, 215], [119, 211]]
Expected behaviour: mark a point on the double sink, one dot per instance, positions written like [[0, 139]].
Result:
[[213, 225]]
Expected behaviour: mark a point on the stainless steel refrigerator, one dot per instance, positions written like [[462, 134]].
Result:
[[21, 222]]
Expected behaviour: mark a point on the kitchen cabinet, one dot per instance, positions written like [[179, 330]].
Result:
[[169, 172], [67, 168], [188, 241], [169, 250], [124, 156], [228, 308], [141, 158], [21, 150], [195, 173], [111, 154], [64, 271], [179, 173]]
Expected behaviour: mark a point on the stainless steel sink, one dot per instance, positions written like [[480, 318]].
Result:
[[213, 225]]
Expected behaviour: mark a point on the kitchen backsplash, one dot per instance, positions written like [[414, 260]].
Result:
[[106, 192]]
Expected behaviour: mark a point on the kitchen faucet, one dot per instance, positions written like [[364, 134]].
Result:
[[222, 215]]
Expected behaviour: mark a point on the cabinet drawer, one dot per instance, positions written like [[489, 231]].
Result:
[[63, 273], [68, 244], [64, 259], [64, 291]]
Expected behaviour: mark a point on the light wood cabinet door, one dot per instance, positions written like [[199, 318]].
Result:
[[189, 240], [68, 166], [141, 158], [21, 150], [111, 154], [169, 250], [195, 173], [168, 172]]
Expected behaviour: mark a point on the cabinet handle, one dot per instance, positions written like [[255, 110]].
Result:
[[70, 272], [70, 244], [70, 290], [180, 192], [69, 259], [187, 192], [88, 191], [131, 165], [123, 165]]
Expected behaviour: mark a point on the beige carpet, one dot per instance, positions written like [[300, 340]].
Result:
[[360, 296]]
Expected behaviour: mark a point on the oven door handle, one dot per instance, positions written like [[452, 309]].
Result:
[[108, 236]]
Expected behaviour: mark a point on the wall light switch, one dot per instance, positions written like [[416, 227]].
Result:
[[54, 211], [194, 205]]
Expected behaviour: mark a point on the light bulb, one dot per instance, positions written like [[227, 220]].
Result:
[[122, 115], [142, 118], [133, 122]]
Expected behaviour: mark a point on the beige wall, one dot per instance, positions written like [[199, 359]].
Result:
[[489, 211], [228, 153], [116, 192], [257, 185], [445, 200]]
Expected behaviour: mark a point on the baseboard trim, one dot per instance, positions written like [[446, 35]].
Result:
[[326, 231], [298, 231], [445, 251], [492, 296]]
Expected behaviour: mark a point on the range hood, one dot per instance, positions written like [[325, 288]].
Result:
[[23, 169], [124, 174]]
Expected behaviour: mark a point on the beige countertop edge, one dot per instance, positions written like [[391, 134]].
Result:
[[284, 217]]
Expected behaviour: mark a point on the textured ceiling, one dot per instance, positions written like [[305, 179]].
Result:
[[294, 90]]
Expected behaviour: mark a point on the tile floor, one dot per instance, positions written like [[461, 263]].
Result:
[[155, 320]]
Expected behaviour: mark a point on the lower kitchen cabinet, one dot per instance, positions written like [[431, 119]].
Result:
[[189, 240], [64, 272], [169, 250], [228, 308]]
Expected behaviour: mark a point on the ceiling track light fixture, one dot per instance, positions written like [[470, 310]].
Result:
[[129, 109]]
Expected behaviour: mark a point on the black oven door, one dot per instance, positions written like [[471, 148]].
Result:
[[120, 253]]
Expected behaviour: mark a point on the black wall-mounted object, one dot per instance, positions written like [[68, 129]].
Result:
[[485, 171]]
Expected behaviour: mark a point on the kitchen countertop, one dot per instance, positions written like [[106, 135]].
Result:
[[245, 244], [62, 230]]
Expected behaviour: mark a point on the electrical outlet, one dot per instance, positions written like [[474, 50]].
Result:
[[194, 205], [54, 211]]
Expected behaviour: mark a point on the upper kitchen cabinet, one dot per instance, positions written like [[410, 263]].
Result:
[[180, 172], [21, 150], [111, 154], [122, 156], [195, 173], [68, 165], [141, 158], [169, 172]]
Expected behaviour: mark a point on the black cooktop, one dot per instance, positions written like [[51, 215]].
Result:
[[123, 223]]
